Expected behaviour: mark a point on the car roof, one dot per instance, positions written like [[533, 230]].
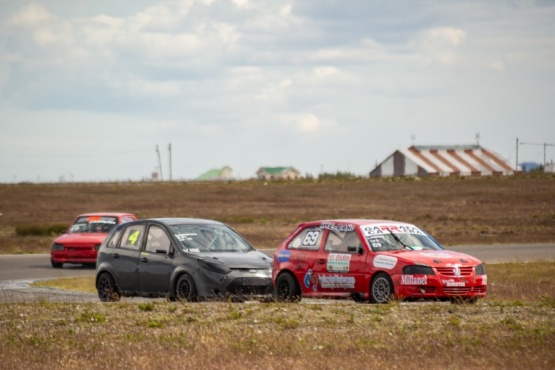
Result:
[[111, 214], [183, 220], [356, 221]]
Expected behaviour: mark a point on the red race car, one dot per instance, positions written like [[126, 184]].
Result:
[[373, 260], [80, 243]]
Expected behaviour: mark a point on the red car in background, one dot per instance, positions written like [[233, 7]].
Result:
[[372, 260], [80, 243]]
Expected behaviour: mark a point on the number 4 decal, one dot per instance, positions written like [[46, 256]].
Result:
[[132, 239]]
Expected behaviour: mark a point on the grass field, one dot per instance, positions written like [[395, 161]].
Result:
[[514, 326]]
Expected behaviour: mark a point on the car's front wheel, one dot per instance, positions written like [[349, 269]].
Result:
[[107, 291], [185, 289], [56, 265], [287, 288], [381, 289]]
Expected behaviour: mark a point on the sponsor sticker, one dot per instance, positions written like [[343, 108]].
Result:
[[284, 256], [452, 283], [385, 262], [338, 262], [338, 227], [414, 280], [370, 230], [310, 280], [336, 281]]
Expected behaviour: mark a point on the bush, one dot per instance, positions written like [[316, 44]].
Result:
[[40, 230]]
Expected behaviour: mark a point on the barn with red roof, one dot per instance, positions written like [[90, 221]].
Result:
[[442, 160]]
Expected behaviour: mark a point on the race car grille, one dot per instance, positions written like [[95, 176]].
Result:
[[456, 290], [428, 289], [480, 289], [250, 285], [455, 271]]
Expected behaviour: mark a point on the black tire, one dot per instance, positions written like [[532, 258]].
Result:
[[185, 289], [381, 289], [107, 290], [56, 265], [287, 288]]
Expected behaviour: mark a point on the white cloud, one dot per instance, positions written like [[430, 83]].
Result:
[[29, 16], [276, 71], [308, 123], [322, 72]]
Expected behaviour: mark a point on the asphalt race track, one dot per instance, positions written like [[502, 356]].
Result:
[[18, 271]]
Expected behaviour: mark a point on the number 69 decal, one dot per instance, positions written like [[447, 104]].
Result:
[[311, 238]]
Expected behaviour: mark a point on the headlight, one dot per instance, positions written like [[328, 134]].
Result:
[[217, 267], [57, 247], [418, 270], [480, 269]]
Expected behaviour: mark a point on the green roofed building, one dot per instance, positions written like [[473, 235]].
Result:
[[278, 173], [217, 174]]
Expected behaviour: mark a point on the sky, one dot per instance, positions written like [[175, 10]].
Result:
[[99, 90]]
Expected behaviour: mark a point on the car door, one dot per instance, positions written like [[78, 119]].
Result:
[[125, 258], [341, 262], [301, 255], [156, 261]]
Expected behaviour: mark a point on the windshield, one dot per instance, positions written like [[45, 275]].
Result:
[[93, 224], [398, 237], [209, 238]]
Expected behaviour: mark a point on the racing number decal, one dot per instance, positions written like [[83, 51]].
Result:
[[132, 239], [311, 238]]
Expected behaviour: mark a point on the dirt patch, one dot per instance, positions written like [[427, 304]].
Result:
[[456, 211]]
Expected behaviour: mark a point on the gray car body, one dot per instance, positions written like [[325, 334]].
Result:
[[138, 273]]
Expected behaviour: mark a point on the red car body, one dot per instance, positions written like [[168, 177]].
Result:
[[80, 243], [373, 260]]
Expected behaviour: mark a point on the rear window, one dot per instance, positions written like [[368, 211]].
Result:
[[310, 239]]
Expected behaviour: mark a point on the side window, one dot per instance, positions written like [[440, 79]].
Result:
[[132, 237], [113, 242], [157, 240], [309, 238], [342, 242]]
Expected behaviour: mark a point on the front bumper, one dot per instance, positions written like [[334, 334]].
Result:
[[74, 255], [437, 286], [245, 284]]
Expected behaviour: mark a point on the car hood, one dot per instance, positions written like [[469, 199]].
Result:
[[96, 238], [237, 260], [434, 257]]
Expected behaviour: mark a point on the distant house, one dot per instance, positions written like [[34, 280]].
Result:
[[217, 174], [442, 160], [275, 173], [549, 167]]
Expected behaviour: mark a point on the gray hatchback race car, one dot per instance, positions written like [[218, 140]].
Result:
[[183, 259]]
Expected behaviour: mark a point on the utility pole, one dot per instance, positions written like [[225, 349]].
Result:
[[516, 164], [545, 145], [170, 153], [159, 163]]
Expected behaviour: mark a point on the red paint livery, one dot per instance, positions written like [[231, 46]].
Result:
[[372, 260], [80, 243]]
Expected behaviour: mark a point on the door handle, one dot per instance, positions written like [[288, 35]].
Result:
[[321, 261], [144, 260], [115, 256]]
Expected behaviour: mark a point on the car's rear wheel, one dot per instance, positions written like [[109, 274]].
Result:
[[381, 289], [56, 265], [107, 291], [287, 288], [185, 289]]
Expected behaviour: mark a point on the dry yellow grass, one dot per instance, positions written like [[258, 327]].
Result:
[[489, 210]]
